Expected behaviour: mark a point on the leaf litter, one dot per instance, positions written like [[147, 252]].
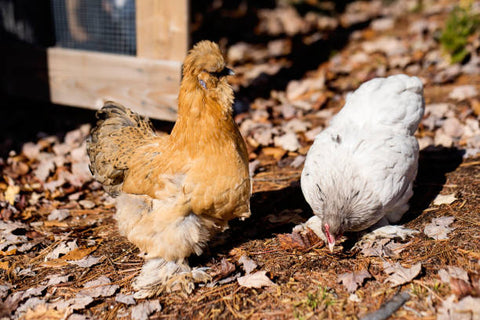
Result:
[[439, 228], [352, 280], [52, 174], [399, 275]]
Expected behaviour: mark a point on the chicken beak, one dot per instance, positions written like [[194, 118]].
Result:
[[230, 72], [331, 245]]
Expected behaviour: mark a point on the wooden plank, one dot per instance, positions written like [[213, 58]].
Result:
[[86, 79], [162, 29]]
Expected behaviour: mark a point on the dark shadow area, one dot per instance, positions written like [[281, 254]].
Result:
[[273, 212], [237, 20], [25, 31], [433, 165], [26, 120]]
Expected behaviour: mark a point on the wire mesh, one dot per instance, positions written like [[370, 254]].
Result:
[[95, 25]]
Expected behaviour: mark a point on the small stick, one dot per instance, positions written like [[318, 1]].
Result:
[[389, 308]]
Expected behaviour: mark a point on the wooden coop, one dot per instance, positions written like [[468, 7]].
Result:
[[129, 51]]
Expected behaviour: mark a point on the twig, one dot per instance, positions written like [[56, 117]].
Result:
[[468, 164], [389, 308]]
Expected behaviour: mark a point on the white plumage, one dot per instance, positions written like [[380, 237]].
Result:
[[360, 170]]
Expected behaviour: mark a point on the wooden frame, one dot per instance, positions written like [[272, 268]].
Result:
[[148, 82]]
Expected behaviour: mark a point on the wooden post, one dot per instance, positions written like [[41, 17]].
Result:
[[162, 29]]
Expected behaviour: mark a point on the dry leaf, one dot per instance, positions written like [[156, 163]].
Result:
[[79, 302], [223, 269], [58, 215], [4, 265], [438, 229], [444, 199], [99, 287], [276, 153], [31, 303], [55, 223], [57, 279], [466, 309], [79, 253], [4, 289], [463, 92], [460, 287], [255, 280], [144, 309], [44, 312], [298, 240], [248, 264], [86, 262], [400, 275], [11, 194], [31, 150], [61, 249], [125, 299], [452, 272], [351, 280], [288, 141], [78, 316], [34, 292]]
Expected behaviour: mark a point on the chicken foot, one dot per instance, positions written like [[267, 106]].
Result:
[[158, 275]]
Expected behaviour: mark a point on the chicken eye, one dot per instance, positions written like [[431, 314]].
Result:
[[222, 73]]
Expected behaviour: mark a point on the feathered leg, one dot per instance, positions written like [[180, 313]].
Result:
[[159, 276]]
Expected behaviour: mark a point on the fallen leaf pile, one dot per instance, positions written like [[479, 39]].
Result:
[[61, 256]]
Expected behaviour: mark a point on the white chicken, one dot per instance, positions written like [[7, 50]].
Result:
[[359, 171]]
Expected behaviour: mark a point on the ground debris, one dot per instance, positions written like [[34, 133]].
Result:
[[283, 99], [467, 308], [399, 275], [257, 279], [439, 228], [352, 280], [144, 309]]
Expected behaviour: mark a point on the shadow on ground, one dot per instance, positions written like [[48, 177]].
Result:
[[25, 120], [273, 212], [433, 166]]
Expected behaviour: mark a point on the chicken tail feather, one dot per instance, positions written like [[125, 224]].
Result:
[[109, 143]]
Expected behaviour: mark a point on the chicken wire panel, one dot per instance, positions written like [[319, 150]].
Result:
[[95, 25]]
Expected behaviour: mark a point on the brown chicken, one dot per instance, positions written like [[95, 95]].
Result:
[[174, 192]]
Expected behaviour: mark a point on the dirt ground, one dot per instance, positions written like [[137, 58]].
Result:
[[58, 228]]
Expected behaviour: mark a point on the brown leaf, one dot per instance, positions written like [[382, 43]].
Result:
[[55, 223], [43, 312], [86, 262], [248, 264], [78, 253], [400, 275], [9, 252], [100, 287], [144, 309], [255, 280], [4, 265], [460, 288], [296, 240], [439, 228], [276, 153], [11, 193], [220, 271], [351, 280], [467, 308]]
